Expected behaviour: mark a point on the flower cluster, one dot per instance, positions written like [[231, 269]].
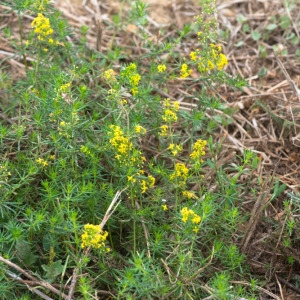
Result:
[[164, 207], [193, 55], [4, 173], [64, 128], [198, 150], [164, 130], [161, 68], [65, 87], [175, 149], [131, 74], [62, 93], [119, 142], [42, 28], [185, 71], [207, 22], [126, 154], [87, 151], [93, 236], [123, 102], [40, 5], [212, 59], [145, 182], [189, 195], [169, 116], [42, 162], [170, 111], [140, 129], [190, 215], [109, 76], [180, 174]]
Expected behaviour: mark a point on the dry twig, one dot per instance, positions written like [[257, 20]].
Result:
[[44, 284]]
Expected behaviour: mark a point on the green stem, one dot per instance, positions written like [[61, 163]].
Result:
[[134, 234], [110, 238], [134, 220], [118, 25], [37, 64]]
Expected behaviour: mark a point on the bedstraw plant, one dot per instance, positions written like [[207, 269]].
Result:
[[84, 125]]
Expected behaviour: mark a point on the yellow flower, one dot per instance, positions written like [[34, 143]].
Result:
[[42, 27], [65, 87], [196, 219], [163, 130], [193, 56], [93, 236], [180, 175], [123, 102], [109, 76], [40, 4], [198, 150], [144, 186], [169, 116], [189, 195], [185, 214], [195, 229], [42, 162], [205, 67], [151, 180], [134, 79], [164, 207], [111, 92], [134, 91], [175, 149], [161, 68], [222, 61], [140, 129], [185, 71], [214, 59], [176, 105], [4, 173], [131, 68], [119, 142], [181, 170], [189, 214], [123, 148], [131, 179]]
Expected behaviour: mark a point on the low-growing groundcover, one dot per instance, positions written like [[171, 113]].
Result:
[[110, 187]]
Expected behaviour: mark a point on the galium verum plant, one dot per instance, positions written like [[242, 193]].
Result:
[[79, 144]]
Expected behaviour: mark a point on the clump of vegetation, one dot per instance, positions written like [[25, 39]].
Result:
[[106, 180]]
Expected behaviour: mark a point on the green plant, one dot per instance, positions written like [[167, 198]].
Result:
[[73, 147]]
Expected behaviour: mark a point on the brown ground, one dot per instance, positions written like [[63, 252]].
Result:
[[267, 112]]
